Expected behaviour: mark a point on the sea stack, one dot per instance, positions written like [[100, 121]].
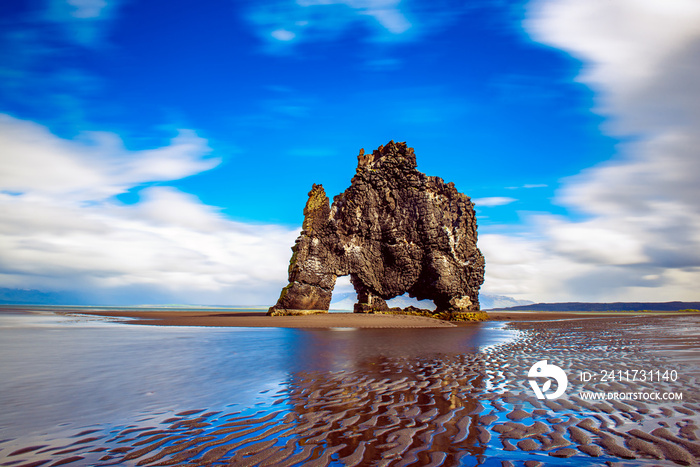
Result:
[[394, 230]]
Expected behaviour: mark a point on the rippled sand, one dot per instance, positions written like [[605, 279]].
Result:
[[458, 410]]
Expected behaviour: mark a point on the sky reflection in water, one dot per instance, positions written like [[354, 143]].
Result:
[[63, 373]]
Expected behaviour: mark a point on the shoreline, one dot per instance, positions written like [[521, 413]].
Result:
[[261, 320], [252, 318]]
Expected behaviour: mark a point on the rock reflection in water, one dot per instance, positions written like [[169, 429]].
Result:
[[392, 409]]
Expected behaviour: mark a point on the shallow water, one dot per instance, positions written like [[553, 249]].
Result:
[[89, 391], [62, 372]]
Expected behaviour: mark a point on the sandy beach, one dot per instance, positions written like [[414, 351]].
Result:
[[327, 320], [260, 319]]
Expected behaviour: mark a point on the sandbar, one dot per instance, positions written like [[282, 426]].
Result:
[[260, 319], [322, 320]]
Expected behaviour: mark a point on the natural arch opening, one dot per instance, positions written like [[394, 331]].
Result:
[[344, 296], [404, 301]]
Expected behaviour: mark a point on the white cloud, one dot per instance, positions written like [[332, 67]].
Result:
[[522, 267], [60, 229], [635, 53], [283, 35], [597, 241], [493, 201], [386, 12], [95, 167], [640, 239], [527, 186]]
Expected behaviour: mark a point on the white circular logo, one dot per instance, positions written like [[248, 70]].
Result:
[[542, 369]]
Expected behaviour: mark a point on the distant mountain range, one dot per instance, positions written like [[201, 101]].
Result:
[[489, 302], [345, 302], [615, 306], [37, 297]]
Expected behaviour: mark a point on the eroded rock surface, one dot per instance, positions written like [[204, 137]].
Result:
[[394, 230]]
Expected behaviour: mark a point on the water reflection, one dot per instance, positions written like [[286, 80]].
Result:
[[345, 348], [392, 407], [80, 371], [59, 371]]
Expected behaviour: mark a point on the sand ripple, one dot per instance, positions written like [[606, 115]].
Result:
[[458, 410]]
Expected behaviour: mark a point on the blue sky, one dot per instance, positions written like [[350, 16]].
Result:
[[159, 152]]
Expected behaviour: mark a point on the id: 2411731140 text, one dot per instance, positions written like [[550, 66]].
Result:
[[628, 375]]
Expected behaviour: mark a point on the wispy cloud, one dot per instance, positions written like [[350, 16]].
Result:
[[493, 201], [42, 59], [83, 21], [61, 228], [639, 239], [285, 21]]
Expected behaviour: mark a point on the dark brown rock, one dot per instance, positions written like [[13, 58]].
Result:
[[394, 230]]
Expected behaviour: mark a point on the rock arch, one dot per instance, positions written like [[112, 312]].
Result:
[[394, 230]]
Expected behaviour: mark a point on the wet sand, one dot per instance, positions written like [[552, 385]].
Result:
[[323, 320], [462, 409], [259, 319]]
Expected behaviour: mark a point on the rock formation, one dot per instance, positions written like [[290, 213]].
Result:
[[394, 230]]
